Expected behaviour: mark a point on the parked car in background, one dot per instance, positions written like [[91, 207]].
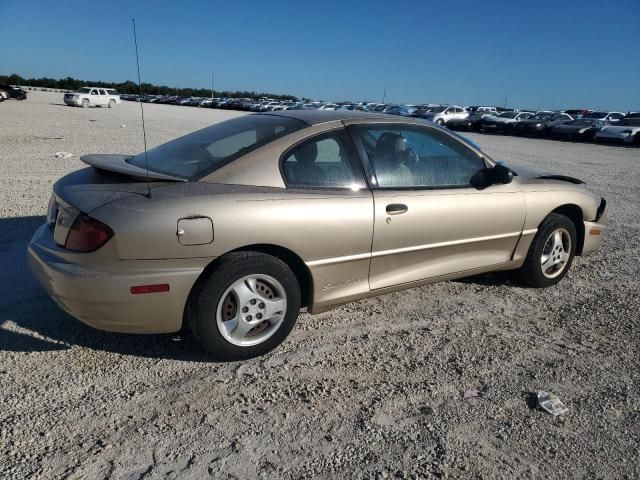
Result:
[[540, 123], [625, 131], [503, 122], [470, 123], [431, 207], [610, 117], [482, 109], [441, 115], [581, 129], [578, 113], [87, 97], [8, 91]]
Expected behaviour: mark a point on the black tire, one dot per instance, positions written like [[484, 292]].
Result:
[[1, 96], [112, 103], [204, 300], [531, 271], [440, 122], [636, 139], [85, 103]]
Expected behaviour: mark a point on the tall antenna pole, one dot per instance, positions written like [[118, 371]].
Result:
[[144, 133], [211, 84], [384, 95]]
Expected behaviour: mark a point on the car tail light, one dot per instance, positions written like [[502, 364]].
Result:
[[87, 234]]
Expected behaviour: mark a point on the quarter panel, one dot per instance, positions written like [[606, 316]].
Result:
[[331, 231]]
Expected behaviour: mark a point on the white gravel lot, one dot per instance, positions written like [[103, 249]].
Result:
[[373, 389]]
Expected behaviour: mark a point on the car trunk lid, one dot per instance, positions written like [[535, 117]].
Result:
[[108, 179]]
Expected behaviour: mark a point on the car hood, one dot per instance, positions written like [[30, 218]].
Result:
[[620, 128], [571, 127], [499, 119], [535, 174]]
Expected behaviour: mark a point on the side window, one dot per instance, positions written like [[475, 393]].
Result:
[[94, 92], [325, 161], [103, 92], [404, 156]]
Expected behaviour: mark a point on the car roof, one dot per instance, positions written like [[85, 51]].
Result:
[[315, 117]]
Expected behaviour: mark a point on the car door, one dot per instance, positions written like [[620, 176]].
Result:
[[94, 97], [428, 219], [104, 97], [448, 114], [332, 209], [458, 113]]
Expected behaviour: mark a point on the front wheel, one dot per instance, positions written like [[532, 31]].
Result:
[[85, 103], [246, 306], [440, 122], [551, 252]]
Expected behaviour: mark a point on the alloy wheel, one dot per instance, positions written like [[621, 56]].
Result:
[[251, 310], [556, 253]]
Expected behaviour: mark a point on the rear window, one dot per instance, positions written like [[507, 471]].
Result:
[[110, 91], [200, 153]]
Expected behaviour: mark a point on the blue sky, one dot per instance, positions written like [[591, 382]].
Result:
[[541, 54]]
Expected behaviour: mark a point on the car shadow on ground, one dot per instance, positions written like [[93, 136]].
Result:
[[31, 322], [494, 279]]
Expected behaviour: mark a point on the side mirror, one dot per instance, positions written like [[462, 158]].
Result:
[[486, 177], [500, 173]]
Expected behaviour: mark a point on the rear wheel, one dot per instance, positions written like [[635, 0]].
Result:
[[245, 307], [551, 252], [112, 103], [636, 139], [85, 103]]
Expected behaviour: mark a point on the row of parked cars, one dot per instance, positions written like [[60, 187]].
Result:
[[9, 91], [577, 124]]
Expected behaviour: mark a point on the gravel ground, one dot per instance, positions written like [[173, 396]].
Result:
[[374, 389]]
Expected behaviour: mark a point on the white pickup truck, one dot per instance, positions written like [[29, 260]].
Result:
[[92, 97]]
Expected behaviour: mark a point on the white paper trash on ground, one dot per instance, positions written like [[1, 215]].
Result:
[[550, 403]]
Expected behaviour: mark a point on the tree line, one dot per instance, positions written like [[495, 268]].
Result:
[[70, 83]]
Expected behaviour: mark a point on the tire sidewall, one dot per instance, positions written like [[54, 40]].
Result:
[[204, 304], [532, 270]]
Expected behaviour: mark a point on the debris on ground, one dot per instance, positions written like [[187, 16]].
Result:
[[471, 393], [550, 403], [63, 155]]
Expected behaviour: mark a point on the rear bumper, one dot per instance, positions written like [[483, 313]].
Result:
[[98, 293]]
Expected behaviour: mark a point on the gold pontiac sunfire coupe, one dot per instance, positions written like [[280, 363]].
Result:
[[246, 221]]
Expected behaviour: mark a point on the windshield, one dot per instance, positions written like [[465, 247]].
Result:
[[508, 115], [543, 117], [596, 115], [438, 109], [200, 153], [84, 90]]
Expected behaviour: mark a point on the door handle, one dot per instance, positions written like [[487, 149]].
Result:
[[397, 208]]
